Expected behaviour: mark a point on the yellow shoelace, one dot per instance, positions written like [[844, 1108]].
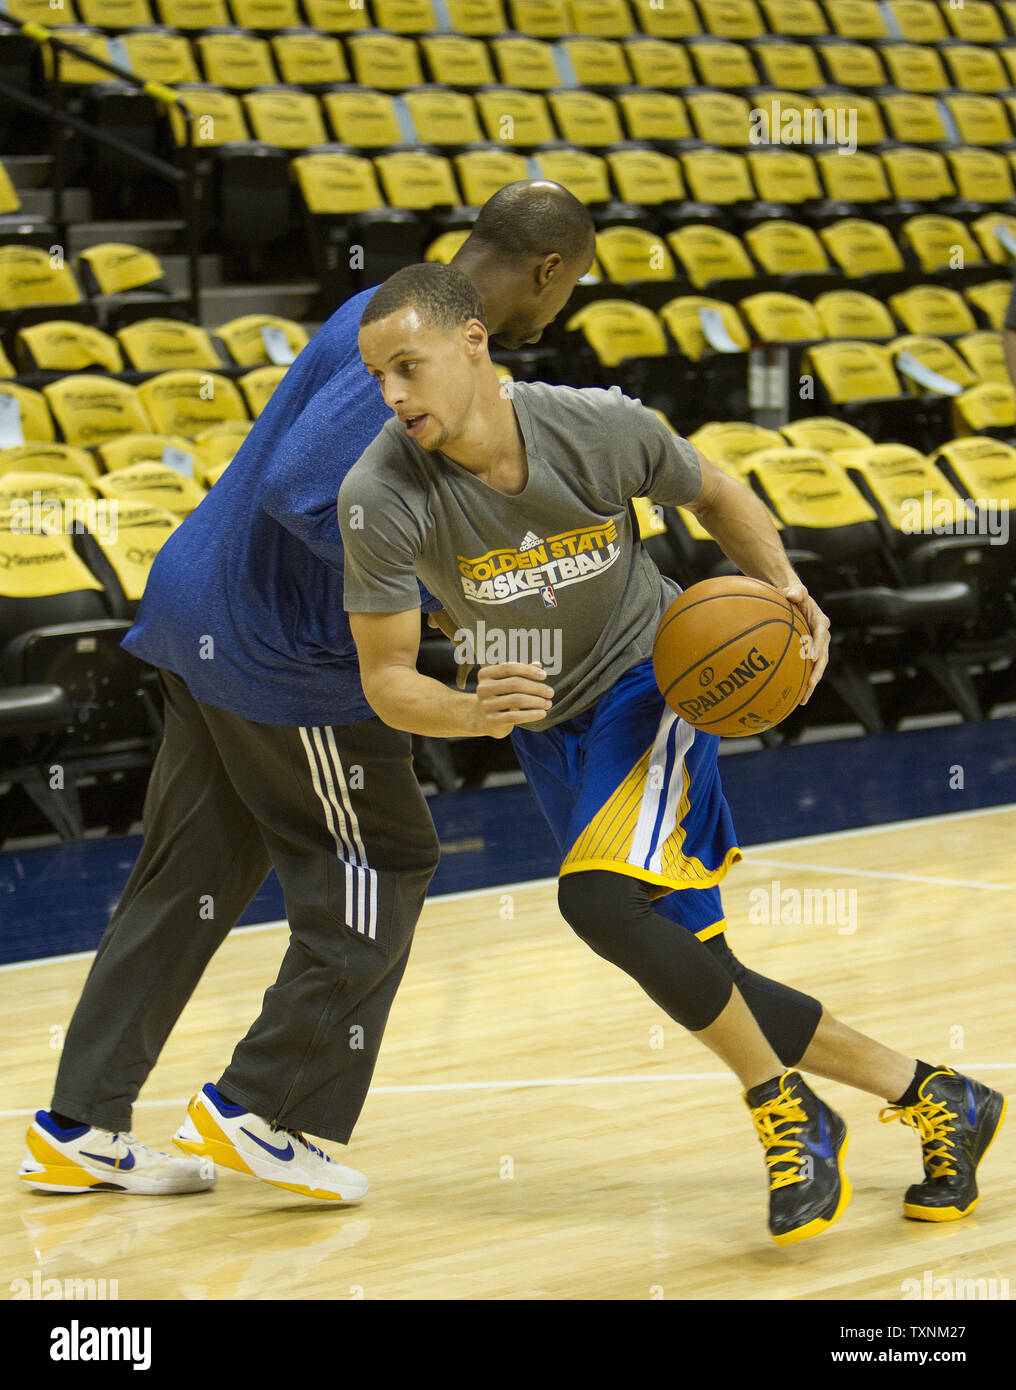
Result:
[[784, 1110], [930, 1119]]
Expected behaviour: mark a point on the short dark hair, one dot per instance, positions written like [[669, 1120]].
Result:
[[531, 219], [442, 295]]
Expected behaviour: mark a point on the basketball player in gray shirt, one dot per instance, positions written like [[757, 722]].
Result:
[[511, 506]]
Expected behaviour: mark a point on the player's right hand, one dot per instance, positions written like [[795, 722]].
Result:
[[511, 694]]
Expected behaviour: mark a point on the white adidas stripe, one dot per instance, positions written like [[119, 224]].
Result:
[[360, 909]]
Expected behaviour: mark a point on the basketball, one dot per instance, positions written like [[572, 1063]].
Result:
[[729, 658]]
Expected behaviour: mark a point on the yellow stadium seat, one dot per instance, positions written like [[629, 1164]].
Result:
[[988, 406], [9, 200], [851, 118], [154, 484], [265, 15], [795, 18], [93, 409], [258, 385], [918, 21], [784, 176], [582, 173], [115, 267], [157, 345], [6, 366], [733, 19], [525, 62], [60, 345], [482, 172], [646, 177], [718, 176], [1008, 54], [417, 180], [457, 60], [698, 324], [131, 449], [824, 433], [709, 254], [193, 14], [159, 56], [605, 19], [29, 276], [445, 248], [731, 443], [852, 371], [809, 490], [476, 17], [996, 231], [652, 115], [914, 68], [862, 248], [782, 247], [291, 120], [975, 69], [850, 314], [78, 70], [992, 299], [389, 62], [853, 178], [337, 183], [723, 65], [984, 354], [236, 60], [930, 355], [932, 309], [781, 318], [982, 176], [857, 19], [405, 16], [899, 477], [914, 118], [188, 402], [659, 63], [918, 175], [720, 118], [309, 60], [141, 532], [218, 117], [940, 242], [975, 21], [617, 329], [984, 468], [514, 117], [543, 19], [361, 119], [853, 64], [667, 19], [980, 120], [793, 65], [586, 118], [335, 16], [24, 416], [220, 444], [256, 340], [632, 253], [441, 117], [114, 14], [49, 458], [597, 62]]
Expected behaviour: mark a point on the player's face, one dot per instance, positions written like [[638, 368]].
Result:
[[541, 302], [426, 374]]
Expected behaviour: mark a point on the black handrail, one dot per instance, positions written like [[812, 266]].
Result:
[[61, 121]]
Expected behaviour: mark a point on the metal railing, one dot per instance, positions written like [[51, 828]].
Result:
[[186, 178]]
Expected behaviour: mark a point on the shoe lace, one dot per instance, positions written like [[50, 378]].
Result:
[[302, 1139], [783, 1110], [127, 1139], [930, 1118]]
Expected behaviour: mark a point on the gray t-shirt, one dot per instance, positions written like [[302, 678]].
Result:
[[552, 574]]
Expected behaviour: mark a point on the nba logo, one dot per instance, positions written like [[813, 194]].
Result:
[[547, 594]]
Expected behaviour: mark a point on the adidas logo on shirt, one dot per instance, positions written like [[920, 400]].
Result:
[[529, 540]]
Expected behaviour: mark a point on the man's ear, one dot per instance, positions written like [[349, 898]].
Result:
[[548, 268], [475, 335]]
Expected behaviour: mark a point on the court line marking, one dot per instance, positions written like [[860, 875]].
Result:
[[873, 873], [534, 1082], [543, 882]]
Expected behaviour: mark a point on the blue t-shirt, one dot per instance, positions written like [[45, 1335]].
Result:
[[244, 600]]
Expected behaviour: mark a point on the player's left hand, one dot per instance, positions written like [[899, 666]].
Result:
[[818, 626]]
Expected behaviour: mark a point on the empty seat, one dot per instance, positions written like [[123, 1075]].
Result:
[[388, 62], [514, 117], [25, 415], [710, 254], [306, 59], [730, 442], [975, 69], [787, 249], [218, 117], [30, 276], [784, 176], [654, 116], [443, 118], [39, 457], [405, 16], [718, 176], [188, 402], [458, 61], [114, 14], [926, 363], [482, 172], [699, 325], [853, 178], [723, 65], [258, 385], [646, 177], [914, 118], [984, 469], [672, 19], [335, 16], [60, 345], [988, 406], [157, 55], [609, 19], [720, 118], [918, 21], [417, 180], [985, 355], [862, 248], [156, 345], [795, 18], [657, 63], [130, 449], [792, 65], [265, 14], [220, 443], [824, 433], [153, 484], [975, 21], [92, 409], [192, 14], [632, 253], [932, 309], [853, 371], [853, 65], [913, 68], [236, 61], [992, 300], [918, 175], [775, 317], [255, 340], [582, 173], [291, 120], [114, 267], [142, 530], [857, 19], [545, 19], [733, 19], [362, 119], [980, 120], [940, 242], [597, 62], [75, 69], [851, 314], [982, 177], [586, 118]]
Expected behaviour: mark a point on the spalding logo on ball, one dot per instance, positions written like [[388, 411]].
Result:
[[730, 656]]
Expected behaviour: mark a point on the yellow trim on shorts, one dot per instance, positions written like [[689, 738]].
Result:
[[709, 879]]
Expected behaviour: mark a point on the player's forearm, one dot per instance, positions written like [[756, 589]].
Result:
[[406, 699], [744, 531]]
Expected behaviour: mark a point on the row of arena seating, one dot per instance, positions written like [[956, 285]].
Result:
[[915, 21]]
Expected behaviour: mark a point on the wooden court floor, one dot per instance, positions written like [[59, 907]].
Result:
[[538, 1129]]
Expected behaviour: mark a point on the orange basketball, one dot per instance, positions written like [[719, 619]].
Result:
[[729, 656]]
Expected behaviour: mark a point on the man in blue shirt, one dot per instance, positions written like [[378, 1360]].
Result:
[[272, 758]]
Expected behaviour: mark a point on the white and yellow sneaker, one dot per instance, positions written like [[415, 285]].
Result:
[[87, 1159], [234, 1138]]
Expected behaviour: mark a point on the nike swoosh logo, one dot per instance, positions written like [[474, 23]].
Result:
[[825, 1148], [284, 1154], [971, 1104], [122, 1163]]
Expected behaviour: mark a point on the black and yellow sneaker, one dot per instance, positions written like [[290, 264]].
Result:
[[956, 1119], [805, 1143]]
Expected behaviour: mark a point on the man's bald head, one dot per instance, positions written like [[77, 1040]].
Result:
[[530, 219]]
